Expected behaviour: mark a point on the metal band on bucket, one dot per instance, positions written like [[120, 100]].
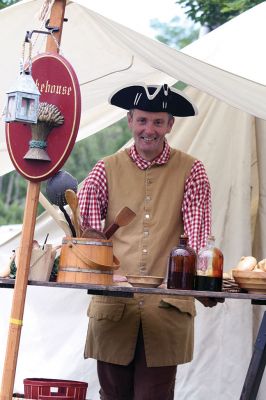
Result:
[[87, 270], [88, 242]]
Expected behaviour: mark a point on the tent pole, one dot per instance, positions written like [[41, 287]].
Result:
[[25, 248]]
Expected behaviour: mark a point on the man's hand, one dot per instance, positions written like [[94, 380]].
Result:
[[210, 301]]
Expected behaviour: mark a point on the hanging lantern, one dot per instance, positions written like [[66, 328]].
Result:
[[23, 101], [23, 97]]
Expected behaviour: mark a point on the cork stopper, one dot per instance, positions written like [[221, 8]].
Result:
[[183, 239]]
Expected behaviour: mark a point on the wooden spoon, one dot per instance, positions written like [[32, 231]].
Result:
[[91, 233], [124, 217], [72, 201]]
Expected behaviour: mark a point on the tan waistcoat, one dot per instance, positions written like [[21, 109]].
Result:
[[143, 247], [156, 196]]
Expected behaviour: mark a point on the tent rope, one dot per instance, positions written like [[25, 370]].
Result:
[[110, 73], [45, 9]]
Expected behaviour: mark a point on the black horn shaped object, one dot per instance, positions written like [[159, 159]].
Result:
[[55, 191]]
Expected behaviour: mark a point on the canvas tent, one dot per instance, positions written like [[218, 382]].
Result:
[[226, 73]]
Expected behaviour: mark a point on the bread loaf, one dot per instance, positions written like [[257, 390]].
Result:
[[247, 263], [262, 265]]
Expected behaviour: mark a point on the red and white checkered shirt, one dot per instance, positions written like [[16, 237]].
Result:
[[196, 207]]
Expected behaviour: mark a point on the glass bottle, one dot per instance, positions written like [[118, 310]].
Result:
[[209, 267], [182, 266]]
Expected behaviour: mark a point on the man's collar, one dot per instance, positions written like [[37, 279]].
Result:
[[144, 164]]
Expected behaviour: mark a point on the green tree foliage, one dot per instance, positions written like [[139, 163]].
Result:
[[173, 33], [5, 3], [176, 35], [213, 13], [88, 151], [84, 155], [12, 214]]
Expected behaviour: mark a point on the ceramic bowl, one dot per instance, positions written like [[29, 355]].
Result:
[[145, 281]]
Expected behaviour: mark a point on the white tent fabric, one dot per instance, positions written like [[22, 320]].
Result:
[[228, 136], [107, 55], [231, 54]]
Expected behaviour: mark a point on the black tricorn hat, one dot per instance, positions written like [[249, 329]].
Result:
[[153, 98]]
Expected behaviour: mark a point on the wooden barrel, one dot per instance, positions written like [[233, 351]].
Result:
[[84, 260]]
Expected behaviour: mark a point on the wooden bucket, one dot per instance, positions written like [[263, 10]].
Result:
[[84, 260]]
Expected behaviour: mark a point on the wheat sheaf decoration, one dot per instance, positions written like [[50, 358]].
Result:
[[49, 117], [50, 114]]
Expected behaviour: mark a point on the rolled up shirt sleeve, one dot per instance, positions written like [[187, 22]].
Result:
[[93, 197], [196, 206]]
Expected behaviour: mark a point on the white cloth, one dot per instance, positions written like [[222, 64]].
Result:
[[107, 55]]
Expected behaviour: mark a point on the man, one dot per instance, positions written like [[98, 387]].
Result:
[[139, 341]]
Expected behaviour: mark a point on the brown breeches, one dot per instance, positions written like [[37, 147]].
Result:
[[136, 381]]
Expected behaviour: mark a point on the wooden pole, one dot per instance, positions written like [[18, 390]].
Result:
[[19, 296], [25, 248], [56, 19]]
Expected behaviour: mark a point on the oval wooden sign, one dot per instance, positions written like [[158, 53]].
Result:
[[59, 87]]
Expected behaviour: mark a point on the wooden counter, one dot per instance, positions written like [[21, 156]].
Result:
[[258, 360], [125, 291]]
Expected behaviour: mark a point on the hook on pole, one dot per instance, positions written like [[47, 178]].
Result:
[[50, 30]]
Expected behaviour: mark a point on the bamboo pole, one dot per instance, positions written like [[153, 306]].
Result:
[[25, 248]]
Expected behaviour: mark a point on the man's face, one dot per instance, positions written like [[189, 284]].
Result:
[[149, 130]]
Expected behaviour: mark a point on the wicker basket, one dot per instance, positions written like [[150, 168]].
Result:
[[250, 281], [230, 285]]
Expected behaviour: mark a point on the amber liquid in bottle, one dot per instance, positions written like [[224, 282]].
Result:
[[182, 266], [209, 275]]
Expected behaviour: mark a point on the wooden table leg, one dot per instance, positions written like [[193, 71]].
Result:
[[256, 366]]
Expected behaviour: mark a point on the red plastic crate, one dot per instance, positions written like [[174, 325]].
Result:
[[44, 389]]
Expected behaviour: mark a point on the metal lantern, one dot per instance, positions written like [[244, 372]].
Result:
[[23, 100]]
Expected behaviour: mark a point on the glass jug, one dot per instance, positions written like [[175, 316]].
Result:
[[182, 266], [209, 267]]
